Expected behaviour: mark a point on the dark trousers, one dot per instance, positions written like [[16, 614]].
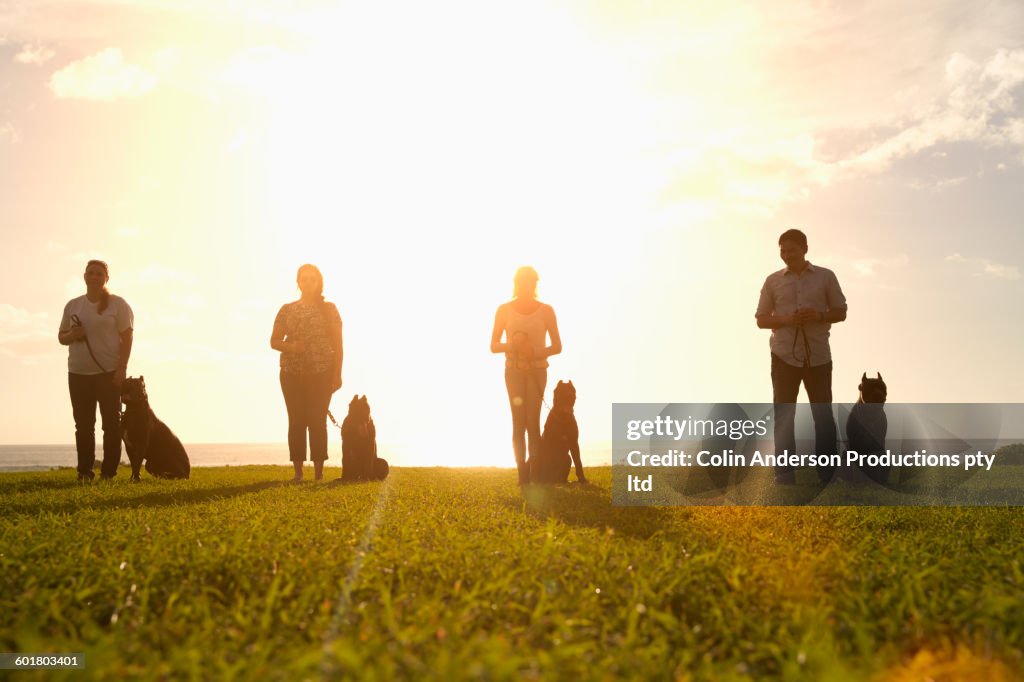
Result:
[[785, 388], [307, 398], [86, 391]]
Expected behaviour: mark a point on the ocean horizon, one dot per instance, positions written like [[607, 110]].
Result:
[[43, 457]]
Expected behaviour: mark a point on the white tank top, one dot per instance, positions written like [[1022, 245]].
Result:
[[531, 324]]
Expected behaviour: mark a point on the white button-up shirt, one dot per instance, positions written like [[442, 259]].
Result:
[[784, 292]]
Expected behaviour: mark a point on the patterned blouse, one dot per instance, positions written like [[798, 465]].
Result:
[[310, 326]]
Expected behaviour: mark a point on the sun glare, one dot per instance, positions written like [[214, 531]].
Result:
[[421, 169], [453, 132]]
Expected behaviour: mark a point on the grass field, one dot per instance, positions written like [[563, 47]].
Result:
[[447, 573]]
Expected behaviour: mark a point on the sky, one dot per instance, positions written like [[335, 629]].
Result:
[[643, 156]]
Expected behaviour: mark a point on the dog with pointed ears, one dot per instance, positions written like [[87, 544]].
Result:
[[148, 439], [560, 442], [359, 460], [868, 426]]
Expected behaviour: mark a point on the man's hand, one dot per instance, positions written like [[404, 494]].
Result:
[[335, 383], [76, 333], [805, 315], [119, 375]]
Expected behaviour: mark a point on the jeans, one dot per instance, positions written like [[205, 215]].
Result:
[[307, 398], [525, 393], [86, 391], [785, 388]]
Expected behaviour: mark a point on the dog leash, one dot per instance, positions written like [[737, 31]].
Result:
[[542, 401], [807, 346], [333, 420], [76, 322]]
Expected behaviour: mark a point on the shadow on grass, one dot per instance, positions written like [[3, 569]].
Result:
[[354, 488], [153, 499], [31, 485], [338, 483], [591, 506]]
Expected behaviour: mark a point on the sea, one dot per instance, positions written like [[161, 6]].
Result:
[[45, 457]]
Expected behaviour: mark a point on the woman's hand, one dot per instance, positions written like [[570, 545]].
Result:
[[335, 383], [76, 333], [296, 347], [522, 349]]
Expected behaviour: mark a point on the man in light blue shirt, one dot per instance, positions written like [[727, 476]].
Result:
[[800, 303]]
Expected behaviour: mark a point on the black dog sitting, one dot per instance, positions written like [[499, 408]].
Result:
[[147, 438], [867, 426], [359, 460], [560, 441]]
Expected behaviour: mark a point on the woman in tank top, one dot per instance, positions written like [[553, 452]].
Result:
[[525, 323]]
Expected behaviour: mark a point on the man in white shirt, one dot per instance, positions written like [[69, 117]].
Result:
[[97, 328]]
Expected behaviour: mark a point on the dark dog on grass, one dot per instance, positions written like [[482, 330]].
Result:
[[359, 460], [560, 441], [867, 426], [147, 438]]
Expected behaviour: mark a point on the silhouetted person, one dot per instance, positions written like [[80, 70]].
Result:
[[799, 304], [526, 324], [308, 334], [97, 329]]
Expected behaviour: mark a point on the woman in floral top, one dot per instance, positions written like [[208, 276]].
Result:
[[308, 334]]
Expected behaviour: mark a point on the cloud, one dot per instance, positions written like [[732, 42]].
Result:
[[987, 268], [936, 185], [26, 335], [34, 54], [869, 267], [8, 133], [14, 318], [103, 76], [757, 170], [812, 73], [977, 105]]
